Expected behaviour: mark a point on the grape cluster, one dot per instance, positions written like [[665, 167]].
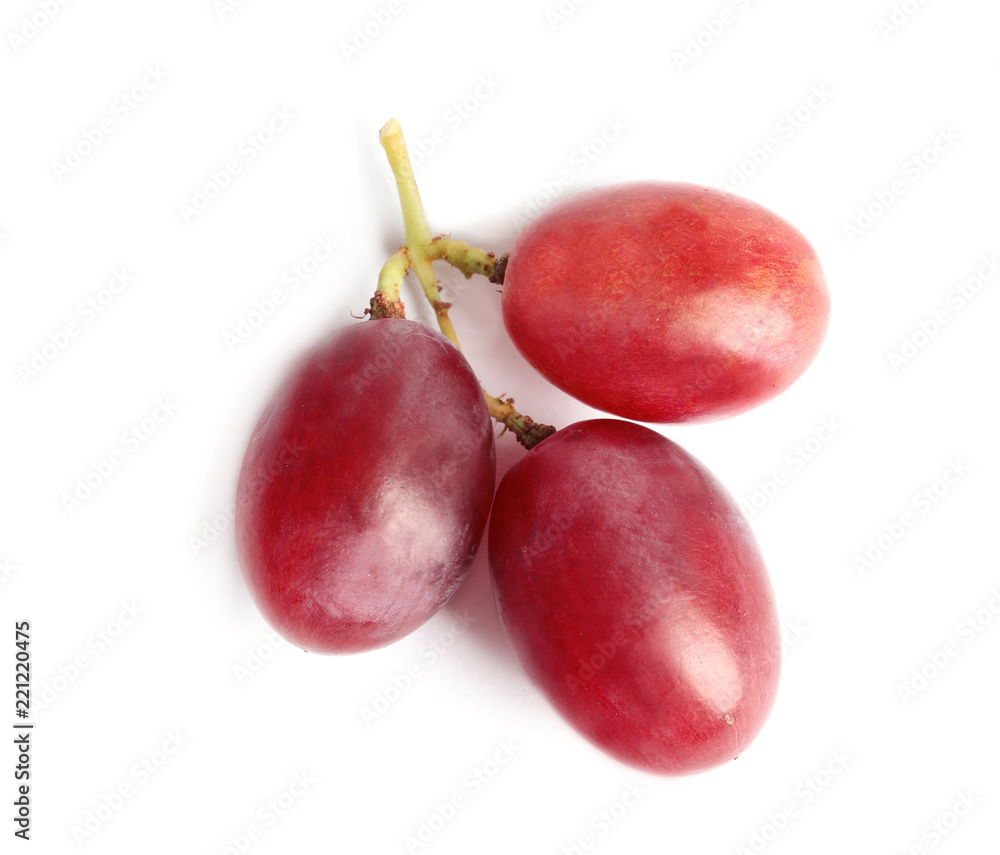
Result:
[[629, 582]]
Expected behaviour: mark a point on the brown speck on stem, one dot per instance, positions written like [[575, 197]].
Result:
[[528, 432], [499, 269], [383, 307]]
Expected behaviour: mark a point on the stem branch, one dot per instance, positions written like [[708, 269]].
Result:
[[418, 233], [419, 254], [465, 258], [387, 303]]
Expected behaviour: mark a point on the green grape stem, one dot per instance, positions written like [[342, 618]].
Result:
[[419, 254]]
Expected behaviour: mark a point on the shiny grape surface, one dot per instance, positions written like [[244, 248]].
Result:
[[365, 488], [635, 596], [665, 302]]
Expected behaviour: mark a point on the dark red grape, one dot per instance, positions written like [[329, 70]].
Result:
[[365, 488], [635, 596]]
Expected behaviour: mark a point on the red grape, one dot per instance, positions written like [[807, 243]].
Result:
[[635, 596], [665, 302], [365, 488]]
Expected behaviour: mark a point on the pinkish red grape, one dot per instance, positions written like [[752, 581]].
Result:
[[665, 302]]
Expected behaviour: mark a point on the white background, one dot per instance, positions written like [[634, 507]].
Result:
[[143, 637]]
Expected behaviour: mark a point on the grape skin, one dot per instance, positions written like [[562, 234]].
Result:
[[365, 488], [635, 596], [665, 302]]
